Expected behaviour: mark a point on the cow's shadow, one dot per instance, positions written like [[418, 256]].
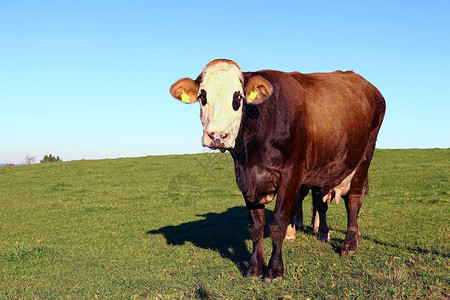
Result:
[[224, 232]]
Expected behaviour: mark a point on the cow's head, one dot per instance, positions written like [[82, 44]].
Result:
[[221, 92]]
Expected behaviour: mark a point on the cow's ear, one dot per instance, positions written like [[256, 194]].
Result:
[[257, 90], [185, 90]]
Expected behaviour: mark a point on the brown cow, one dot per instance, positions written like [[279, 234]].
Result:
[[285, 130]]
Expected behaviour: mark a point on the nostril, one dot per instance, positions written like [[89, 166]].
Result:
[[211, 135], [224, 136]]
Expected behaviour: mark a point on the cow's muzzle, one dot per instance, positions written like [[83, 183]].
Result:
[[217, 140]]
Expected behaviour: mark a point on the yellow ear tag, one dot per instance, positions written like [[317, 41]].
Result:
[[253, 95], [185, 97]]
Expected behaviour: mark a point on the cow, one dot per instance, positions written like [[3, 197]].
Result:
[[286, 130]]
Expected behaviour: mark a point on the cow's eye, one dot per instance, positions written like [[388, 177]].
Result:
[[202, 97], [237, 99]]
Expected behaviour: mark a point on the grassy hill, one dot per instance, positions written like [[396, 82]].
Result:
[[175, 227]]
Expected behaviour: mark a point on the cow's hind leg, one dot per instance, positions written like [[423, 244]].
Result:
[[296, 220], [353, 202], [321, 208], [256, 230], [315, 219]]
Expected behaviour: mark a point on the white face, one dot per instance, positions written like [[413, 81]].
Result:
[[221, 99]]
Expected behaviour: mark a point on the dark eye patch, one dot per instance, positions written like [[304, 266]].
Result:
[[237, 99], [202, 97]]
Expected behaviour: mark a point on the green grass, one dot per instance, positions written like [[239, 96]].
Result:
[[175, 227]]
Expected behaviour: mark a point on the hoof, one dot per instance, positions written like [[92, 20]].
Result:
[[299, 227], [350, 244], [268, 280], [273, 275], [291, 233], [253, 272], [347, 252], [348, 249], [324, 237]]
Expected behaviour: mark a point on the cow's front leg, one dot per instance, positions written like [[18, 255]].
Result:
[[280, 219], [256, 230]]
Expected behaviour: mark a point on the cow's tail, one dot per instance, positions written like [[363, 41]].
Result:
[[366, 186], [377, 119]]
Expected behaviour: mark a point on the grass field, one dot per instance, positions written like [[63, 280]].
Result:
[[175, 227]]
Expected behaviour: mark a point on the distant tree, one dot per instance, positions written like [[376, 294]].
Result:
[[50, 158], [29, 160]]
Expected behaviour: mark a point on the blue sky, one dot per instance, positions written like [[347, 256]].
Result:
[[90, 79]]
